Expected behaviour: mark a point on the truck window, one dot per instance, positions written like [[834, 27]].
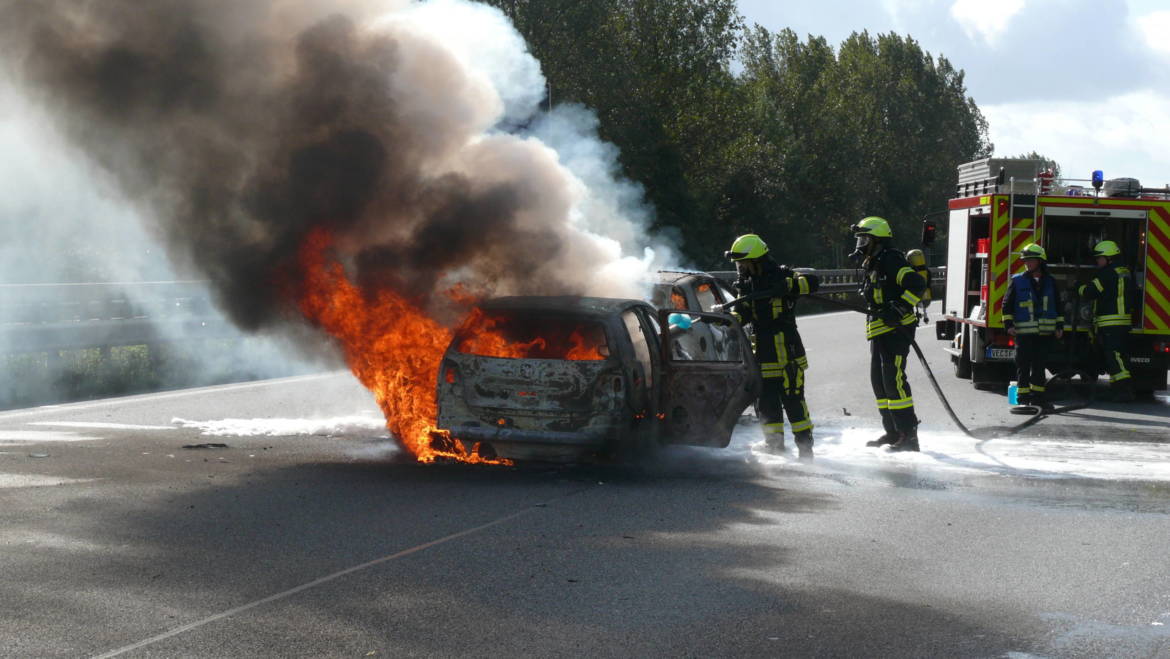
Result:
[[641, 345]]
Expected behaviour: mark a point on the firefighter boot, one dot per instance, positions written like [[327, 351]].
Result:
[[774, 439], [804, 444], [907, 442], [891, 434], [1041, 400], [1122, 391]]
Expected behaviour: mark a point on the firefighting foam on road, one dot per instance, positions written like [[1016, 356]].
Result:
[[341, 165]]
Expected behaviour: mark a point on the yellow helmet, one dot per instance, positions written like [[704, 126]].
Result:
[[1033, 251], [873, 226], [1106, 248], [748, 246]]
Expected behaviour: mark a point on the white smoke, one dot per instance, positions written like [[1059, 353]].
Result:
[[524, 199]]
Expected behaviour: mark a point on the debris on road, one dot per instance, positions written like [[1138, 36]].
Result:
[[206, 445]]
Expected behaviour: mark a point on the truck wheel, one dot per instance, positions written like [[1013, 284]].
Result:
[[962, 366]]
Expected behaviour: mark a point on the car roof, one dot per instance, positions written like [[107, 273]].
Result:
[[675, 276], [570, 304]]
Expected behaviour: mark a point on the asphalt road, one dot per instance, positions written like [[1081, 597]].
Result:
[[310, 536]]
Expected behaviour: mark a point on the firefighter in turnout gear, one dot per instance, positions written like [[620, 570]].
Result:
[[770, 308], [1112, 291], [891, 289], [1031, 313]]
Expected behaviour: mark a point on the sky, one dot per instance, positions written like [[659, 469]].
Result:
[[1083, 82]]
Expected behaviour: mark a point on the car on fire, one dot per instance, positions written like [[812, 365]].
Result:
[[683, 290], [580, 378]]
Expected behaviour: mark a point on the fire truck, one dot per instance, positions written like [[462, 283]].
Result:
[[1002, 204]]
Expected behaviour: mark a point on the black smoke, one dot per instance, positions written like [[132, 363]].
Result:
[[240, 127]]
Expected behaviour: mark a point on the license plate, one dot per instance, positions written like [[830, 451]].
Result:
[[1001, 353]]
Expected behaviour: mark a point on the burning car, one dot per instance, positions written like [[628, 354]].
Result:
[[693, 291], [572, 378], [696, 291]]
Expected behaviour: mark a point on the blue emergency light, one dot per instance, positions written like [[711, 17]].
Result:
[[1098, 179]]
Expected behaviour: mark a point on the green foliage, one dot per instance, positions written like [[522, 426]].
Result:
[[1049, 163], [796, 140]]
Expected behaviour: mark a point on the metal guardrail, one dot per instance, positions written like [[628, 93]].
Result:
[[50, 317]]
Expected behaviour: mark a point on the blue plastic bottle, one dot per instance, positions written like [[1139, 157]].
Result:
[[1013, 399]]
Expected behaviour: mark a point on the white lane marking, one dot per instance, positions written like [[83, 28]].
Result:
[[97, 425], [21, 437], [74, 407], [312, 584], [9, 481], [286, 427]]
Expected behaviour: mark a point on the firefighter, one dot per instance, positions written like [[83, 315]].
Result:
[[891, 289], [770, 308], [1112, 291], [1031, 313]]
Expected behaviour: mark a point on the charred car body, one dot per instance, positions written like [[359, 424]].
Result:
[[688, 291], [571, 378]]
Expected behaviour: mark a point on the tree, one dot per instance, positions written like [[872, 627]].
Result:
[[1049, 163], [800, 144]]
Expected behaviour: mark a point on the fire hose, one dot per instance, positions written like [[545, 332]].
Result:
[[977, 433]]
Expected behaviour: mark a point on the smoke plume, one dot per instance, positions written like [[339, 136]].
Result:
[[413, 133]]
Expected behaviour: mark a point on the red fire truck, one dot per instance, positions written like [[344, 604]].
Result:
[[1002, 204]]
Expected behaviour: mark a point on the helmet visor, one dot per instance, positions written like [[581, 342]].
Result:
[[863, 241], [735, 256]]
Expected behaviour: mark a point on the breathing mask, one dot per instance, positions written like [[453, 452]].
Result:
[[862, 248]]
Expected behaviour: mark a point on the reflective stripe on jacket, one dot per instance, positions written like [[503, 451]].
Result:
[[891, 287], [1112, 292], [1032, 309], [773, 318]]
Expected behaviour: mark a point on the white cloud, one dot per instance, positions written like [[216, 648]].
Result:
[[1122, 135], [985, 19], [1154, 27]]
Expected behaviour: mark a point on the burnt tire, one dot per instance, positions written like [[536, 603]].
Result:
[[962, 367]]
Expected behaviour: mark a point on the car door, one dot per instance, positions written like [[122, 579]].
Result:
[[708, 297], [702, 396]]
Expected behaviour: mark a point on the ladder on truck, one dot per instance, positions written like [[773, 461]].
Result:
[[1024, 223]]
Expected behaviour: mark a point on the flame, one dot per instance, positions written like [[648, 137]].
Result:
[[484, 335], [678, 300], [391, 345], [583, 349]]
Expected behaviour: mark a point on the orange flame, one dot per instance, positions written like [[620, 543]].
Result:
[[392, 346], [484, 336]]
